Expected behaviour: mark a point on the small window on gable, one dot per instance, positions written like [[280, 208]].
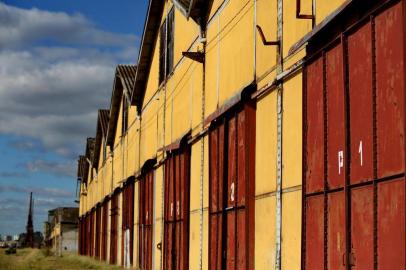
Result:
[[166, 46], [124, 118]]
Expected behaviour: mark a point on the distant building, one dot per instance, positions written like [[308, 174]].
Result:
[[61, 229], [9, 238]]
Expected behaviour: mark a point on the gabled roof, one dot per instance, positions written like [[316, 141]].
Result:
[[89, 148], [146, 52], [101, 131], [83, 167], [198, 10], [87, 157], [124, 80]]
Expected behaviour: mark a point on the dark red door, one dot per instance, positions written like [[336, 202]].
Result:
[[98, 233], [231, 184], [104, 232], [127, 224], [113, 228], [146, 220], [176, 212], [354, 155]]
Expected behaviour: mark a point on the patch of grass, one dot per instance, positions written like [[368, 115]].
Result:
[[35, 259]]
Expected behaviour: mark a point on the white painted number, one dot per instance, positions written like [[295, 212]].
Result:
[[340, 161], [360, 151], [232, 191], [177, 207], [171, 209]]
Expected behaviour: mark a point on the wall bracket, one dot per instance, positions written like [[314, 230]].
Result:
[[195, 56], [267, 42]]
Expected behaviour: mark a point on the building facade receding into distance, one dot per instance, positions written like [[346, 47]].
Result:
[[253, 134]]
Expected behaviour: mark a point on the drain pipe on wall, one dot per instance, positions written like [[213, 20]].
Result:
[[279, 70], [203, 40]]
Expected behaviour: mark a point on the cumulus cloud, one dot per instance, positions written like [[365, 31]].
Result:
[[41, 191], [53, 167], [21, 26], [51, 93]]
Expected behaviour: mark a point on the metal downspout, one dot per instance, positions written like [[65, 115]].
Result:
[[279, 70], [203, 41]]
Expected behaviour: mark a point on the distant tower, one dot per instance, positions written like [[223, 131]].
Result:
[[29, 240]]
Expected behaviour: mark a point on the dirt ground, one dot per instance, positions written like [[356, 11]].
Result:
[[35, 259]]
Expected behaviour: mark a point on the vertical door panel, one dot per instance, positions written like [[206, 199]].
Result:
[[231, 240], [391, 224], [336, 230], [241, 239], [232, 163], [214, 172], [335, 116], [215, 251], [242, 161], [315, 127], [362, 227], [361, 104], [315, 232], [390, 91]]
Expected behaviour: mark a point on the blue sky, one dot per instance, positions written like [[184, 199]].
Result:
[[57, 66]]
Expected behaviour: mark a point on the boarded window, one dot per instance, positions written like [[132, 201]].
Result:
[[166, 46], [146, 220], [354, 148], [176, 212], [231, 184], [128, 224]]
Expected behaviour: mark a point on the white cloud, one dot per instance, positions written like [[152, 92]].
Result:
[[52, 93], [21, 26]]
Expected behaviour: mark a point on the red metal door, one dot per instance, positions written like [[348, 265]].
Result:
[[128, 221], [354, 155], [98, 233], [146, 220], [113, 228], [231, 203], [104, 232], [92, 232], [177, 179]]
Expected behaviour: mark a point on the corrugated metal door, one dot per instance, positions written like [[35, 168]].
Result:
[[105, 214], [231, 189], [113, 228], [354, 155], [128, 224], [176, 212], [146, 220], [80, 236], [91, 224], [98, 233]]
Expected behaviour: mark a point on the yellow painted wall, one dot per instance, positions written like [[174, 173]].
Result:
[[235, 57]]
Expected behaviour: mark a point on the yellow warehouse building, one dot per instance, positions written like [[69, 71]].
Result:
[[233, 142]]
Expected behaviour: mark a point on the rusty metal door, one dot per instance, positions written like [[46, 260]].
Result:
[[354, 148], [146, 220], [91, 224], [113, 228], [128, 224], [98, 233], [231, 189], [176, 210], [104, 232]]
